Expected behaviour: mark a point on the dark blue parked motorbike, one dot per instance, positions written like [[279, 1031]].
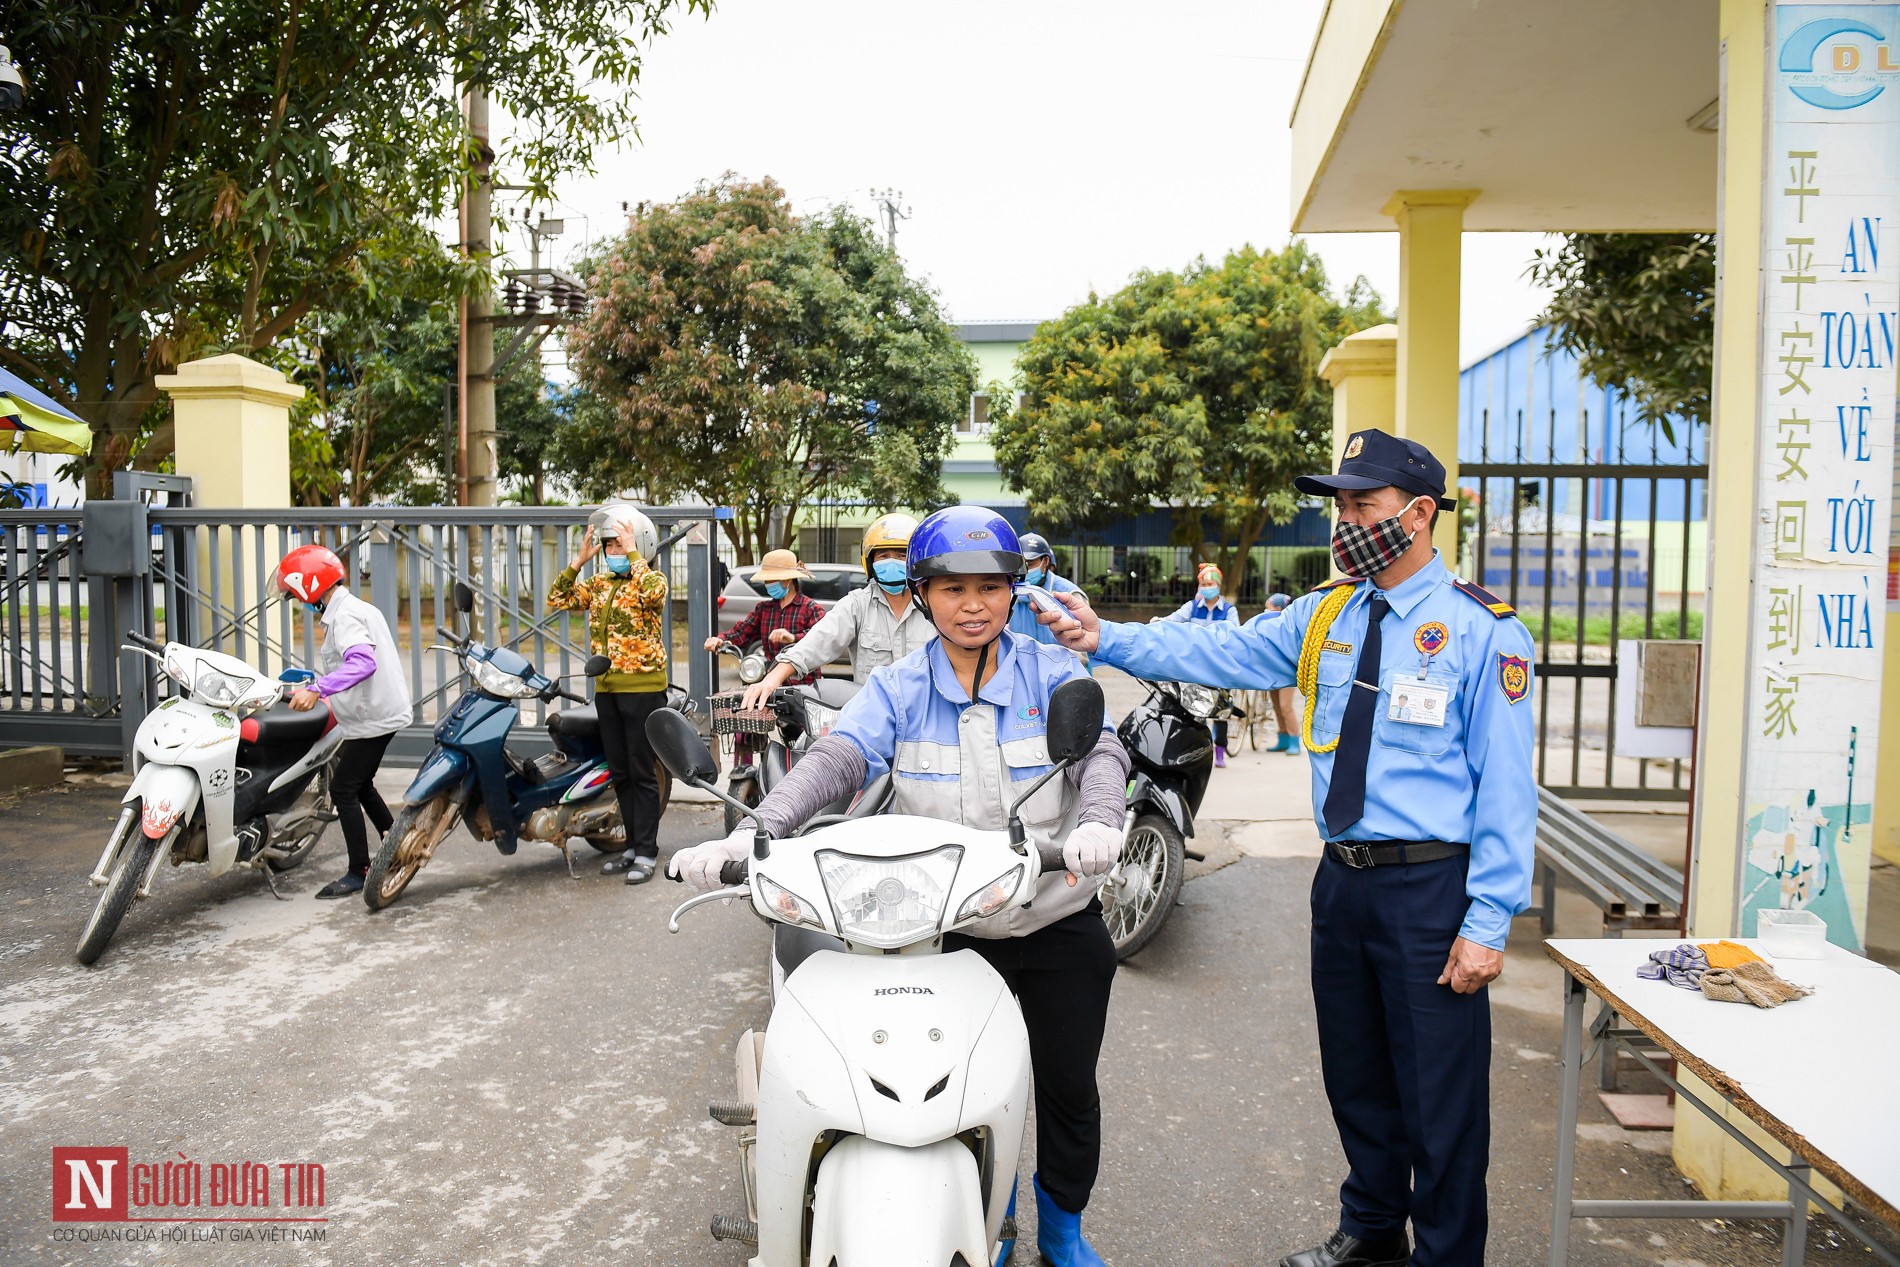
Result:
[[472, 777]]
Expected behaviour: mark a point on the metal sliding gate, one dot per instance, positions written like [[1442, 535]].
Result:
[[1589, 552], [203, 577]]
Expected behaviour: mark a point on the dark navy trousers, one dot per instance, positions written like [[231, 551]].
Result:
[[1407, 1061]]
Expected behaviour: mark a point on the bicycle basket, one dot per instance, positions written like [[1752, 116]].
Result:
[[728, 718]]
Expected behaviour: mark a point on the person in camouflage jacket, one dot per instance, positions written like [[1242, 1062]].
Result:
[[625, 604]]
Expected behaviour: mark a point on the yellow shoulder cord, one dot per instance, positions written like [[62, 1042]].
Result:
[[1307, 678]]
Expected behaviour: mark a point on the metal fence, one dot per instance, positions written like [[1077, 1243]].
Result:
[[203, 577], [1590, 551]]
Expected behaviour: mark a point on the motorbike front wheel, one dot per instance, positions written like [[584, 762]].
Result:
[[407, 847], [746, 791], [134, 857], [321, 812], [1152, 866]]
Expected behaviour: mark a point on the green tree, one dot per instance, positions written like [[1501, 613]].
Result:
[[1197, 389], [198, 178], [760, 360], [1638, 311]]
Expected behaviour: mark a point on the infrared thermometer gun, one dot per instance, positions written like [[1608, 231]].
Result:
[[1040, 597]]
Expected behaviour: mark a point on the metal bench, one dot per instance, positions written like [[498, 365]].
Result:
[[1633, 889]]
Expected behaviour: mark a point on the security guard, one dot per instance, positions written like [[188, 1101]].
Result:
[[1039, 568], [1416, 889]]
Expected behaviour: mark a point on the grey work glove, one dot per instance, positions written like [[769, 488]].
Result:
[[699, 866], [1091, 849]]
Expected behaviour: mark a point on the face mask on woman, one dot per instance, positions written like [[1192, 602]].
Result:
[[775, 590], [618, 564], [1036, 576], [890, 575], [1210, 592], [1369, 551]]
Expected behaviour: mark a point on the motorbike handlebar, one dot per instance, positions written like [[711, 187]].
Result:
[[566, 694], [732, 872], [447, 636], [150, 644]]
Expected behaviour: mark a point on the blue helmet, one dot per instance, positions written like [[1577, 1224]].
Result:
[[1036, 546], [964, 541]]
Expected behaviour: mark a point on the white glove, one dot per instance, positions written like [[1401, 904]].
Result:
[[1091, 849], [699, 866]]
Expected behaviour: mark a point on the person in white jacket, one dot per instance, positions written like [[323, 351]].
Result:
[[878, 624], [368, 694]]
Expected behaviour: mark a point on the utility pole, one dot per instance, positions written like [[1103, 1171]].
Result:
[[888, 201], [477, 439]]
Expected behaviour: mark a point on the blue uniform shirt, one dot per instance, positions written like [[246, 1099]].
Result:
[[1195, 609], [1422, 782], [1022, 618]]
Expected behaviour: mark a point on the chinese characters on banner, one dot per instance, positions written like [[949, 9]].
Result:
[[1830, 317]]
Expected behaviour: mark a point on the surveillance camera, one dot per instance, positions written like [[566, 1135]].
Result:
[[12, 83]]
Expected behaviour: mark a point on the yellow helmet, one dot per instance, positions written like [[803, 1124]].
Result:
[[891, 532]]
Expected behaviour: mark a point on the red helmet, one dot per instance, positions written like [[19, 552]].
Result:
[[308, 572]]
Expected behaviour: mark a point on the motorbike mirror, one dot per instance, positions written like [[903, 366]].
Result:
[[464, 598], [1076, 709], [596, 665], [680, 747]]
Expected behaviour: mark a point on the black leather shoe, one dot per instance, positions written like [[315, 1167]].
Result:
[[640, 870], [1341, 1250], [344, 885], [618, 863]]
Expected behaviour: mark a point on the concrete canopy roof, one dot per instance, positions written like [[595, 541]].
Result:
[[1564, 115]]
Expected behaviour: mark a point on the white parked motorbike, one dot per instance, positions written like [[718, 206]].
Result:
[[883, 1108], [219, 777]]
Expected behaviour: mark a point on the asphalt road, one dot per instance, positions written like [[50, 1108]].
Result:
[[512, 1066]]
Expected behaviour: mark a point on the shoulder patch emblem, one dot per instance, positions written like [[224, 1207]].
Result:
[[1514, 676], [1430, 638], [1486, 599]]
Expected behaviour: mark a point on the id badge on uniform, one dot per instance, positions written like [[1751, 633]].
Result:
[[1418, 703]]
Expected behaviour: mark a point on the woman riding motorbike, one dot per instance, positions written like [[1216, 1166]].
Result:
[[625, 603], [959, 725], [877, 623]]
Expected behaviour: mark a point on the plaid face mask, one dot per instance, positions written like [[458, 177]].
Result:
[[1369, 551]]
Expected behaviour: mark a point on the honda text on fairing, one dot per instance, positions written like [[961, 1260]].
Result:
[[219, 776], [471, 777], [883, 1109]]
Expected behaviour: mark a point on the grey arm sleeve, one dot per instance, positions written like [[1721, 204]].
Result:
[[1102, 782], [831, 768]]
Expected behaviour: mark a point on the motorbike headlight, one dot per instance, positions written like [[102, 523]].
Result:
[[220, 690], [787, 905], [820, 718], [993, 896], [751, 669], [497, 682], [888, 902], [1200, 701]]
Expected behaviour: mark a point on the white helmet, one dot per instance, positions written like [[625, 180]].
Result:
[[623, 521]]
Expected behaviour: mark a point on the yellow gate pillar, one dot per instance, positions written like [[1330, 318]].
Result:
[[1431, 231], [1363, 369], [231, 417]]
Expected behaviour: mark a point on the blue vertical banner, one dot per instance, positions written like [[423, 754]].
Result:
[[1830, 312]]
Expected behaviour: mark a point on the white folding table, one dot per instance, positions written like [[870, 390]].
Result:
[[1821, 1075]]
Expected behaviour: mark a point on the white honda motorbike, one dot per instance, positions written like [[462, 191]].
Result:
[[219, 777], [883, 1108]]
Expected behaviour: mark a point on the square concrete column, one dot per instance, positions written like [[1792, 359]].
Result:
[[1362, 369], [231, 417], [1431, 235]]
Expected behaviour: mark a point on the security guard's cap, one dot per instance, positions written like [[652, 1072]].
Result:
[[1373, 459]]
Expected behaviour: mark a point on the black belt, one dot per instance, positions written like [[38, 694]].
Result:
[[1360, 854]]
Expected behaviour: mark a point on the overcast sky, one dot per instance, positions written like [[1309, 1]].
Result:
[[1043, 147]]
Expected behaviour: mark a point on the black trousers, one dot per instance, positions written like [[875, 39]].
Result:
[[1407, 1062], [353, 789], [623, 733], [1061, 976]]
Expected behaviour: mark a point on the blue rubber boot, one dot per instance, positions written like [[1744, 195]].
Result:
[[1059, 1234], [1007, 1247]]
